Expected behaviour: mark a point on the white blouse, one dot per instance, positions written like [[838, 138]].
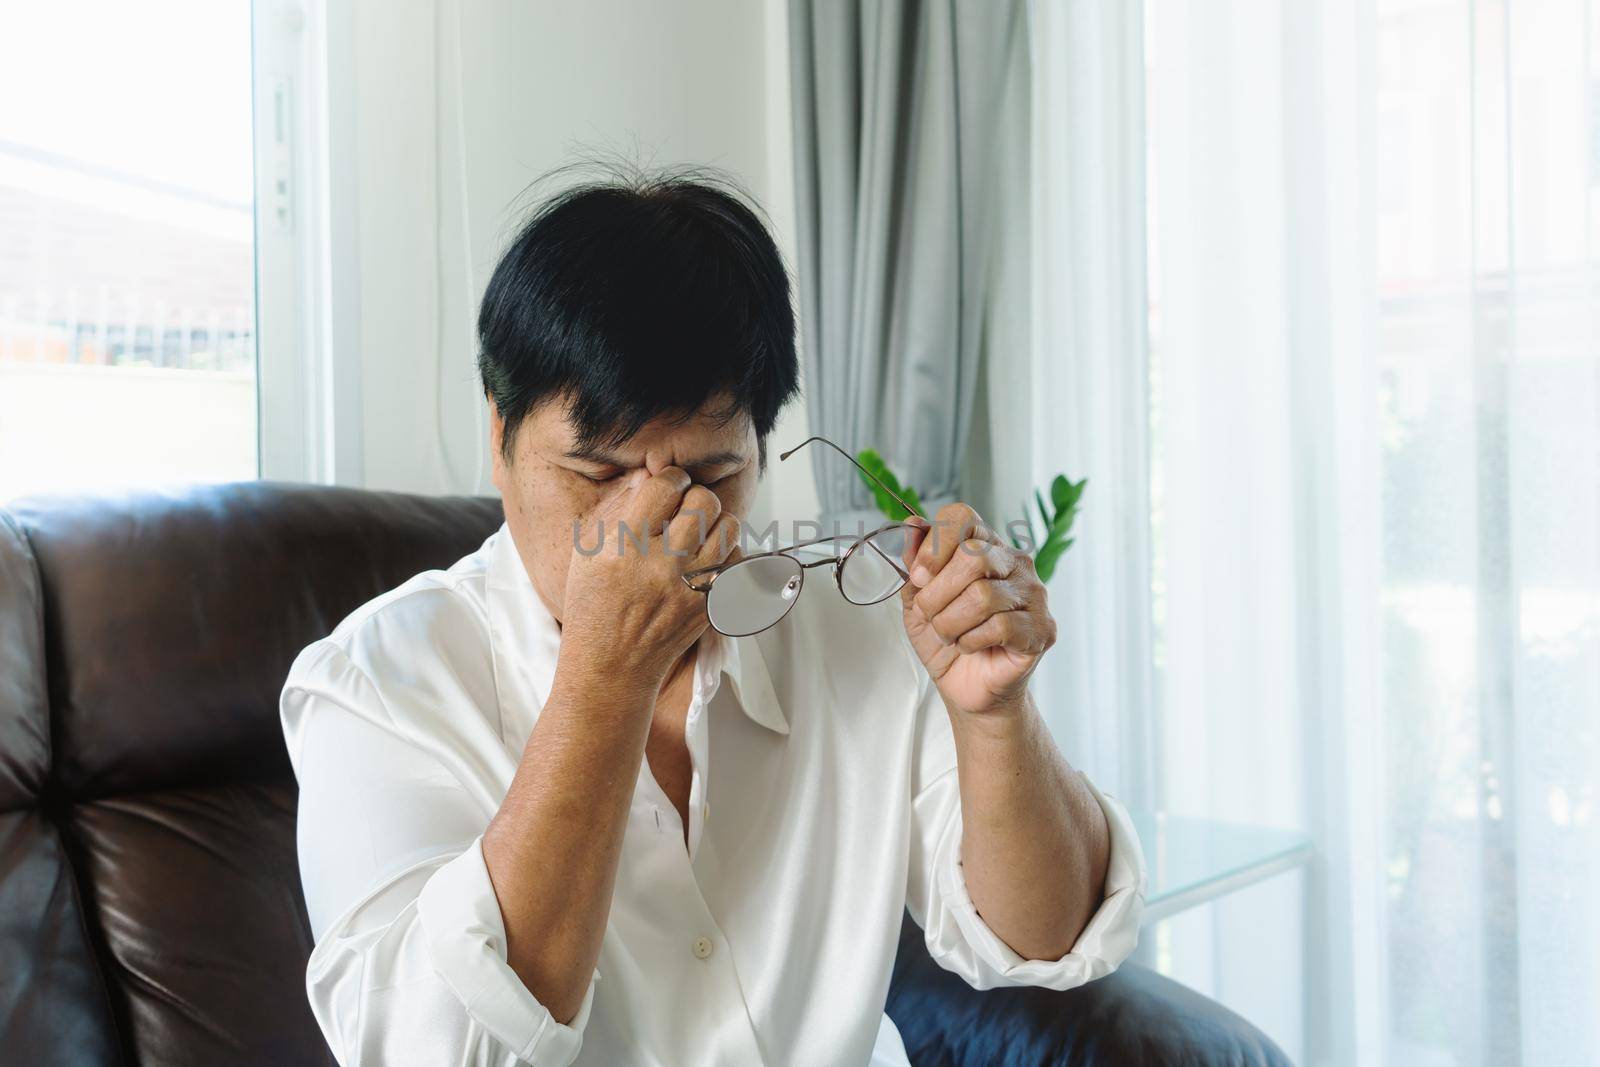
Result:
[[824, 801]]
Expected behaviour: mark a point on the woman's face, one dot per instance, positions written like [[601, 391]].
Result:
[[552, 487]]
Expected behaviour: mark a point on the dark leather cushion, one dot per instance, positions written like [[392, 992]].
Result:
[[24, 710], [157, 631], [53, 1005], [203, 929], [1132, 1016], [171, 620]]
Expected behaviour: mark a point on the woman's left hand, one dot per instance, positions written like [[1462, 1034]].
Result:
[[975, 612]]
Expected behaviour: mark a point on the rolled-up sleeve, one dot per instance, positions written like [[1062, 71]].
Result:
[[958, 938], [410, 964]]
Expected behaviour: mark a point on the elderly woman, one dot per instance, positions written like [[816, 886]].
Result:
[[554, 810]]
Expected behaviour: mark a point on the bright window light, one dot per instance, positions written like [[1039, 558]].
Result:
[[127, 276]]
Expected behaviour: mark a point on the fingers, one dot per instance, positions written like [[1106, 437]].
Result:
[[720, 544], [977, 560], [685, 516], [916, 533], [1027, 632], [954, 525], [976, 604], [658, 497], [691, 526], [975, 592]]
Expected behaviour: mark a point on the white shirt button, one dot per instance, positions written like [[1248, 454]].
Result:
[[702, 948]]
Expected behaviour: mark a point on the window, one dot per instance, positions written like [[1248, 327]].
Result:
[[127, 268]]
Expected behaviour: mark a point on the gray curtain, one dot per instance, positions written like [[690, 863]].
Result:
[[899, 153]]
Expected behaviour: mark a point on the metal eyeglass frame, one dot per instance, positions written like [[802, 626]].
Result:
[[701, 580]]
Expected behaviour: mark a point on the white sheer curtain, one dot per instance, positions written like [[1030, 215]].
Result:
[[1373, 389], [1487, 302], [1067, 380], [1265, 500]]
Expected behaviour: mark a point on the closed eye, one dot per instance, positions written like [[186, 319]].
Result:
[[607, 476], [709, 479]]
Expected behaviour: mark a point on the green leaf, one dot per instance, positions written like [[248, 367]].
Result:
[[1065, 494], [1045, 563], [886, 502], [1059, 489], [1063, 522]]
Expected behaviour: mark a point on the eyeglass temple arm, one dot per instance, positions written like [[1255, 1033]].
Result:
[[854, 463]]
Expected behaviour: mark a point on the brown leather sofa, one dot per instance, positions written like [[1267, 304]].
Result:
[[150, 905]]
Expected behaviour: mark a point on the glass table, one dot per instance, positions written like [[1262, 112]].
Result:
[[1195, 861]]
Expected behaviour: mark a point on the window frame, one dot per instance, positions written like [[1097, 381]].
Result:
[[306, 243]]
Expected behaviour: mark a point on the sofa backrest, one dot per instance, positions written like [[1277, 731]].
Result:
[[150, 904]]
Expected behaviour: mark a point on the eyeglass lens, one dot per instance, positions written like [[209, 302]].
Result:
[[872, 569], [754, 594]]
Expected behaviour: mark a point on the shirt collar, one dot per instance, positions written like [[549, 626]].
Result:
[[527, 639], [742, 660]]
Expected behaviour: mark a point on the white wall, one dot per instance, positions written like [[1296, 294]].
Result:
[[540, 84]]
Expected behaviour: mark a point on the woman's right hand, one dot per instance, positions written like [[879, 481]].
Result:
[[629, 615]]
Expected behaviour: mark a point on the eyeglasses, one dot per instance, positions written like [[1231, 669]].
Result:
[[754, 593]]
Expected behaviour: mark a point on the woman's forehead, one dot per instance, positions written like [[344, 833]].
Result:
[[706, 438]]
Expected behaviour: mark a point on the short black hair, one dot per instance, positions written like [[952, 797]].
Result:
[[640, 296]]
